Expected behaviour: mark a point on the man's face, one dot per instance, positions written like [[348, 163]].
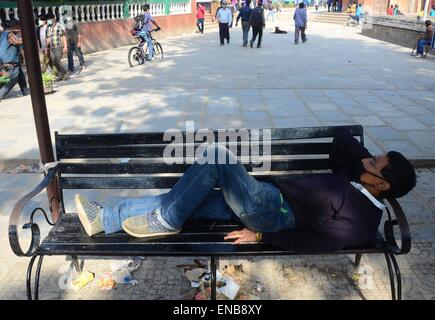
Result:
[[372, 175]]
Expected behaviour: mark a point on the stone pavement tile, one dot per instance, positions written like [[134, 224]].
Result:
[[332, 116], [417, 111], [322, 106], [310, 93], [356, 110], [404, 123], [218, 109], [222, 121], [428, 120], [263, 124], [277, 94], [383, 133], [372, 146], [335, 93], [367, 99], [294, 122], [368, 120], [253, 105], [288, 110], [403, 146], [309, 99], [424, 139]]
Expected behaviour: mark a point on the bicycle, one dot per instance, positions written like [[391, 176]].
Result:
[[137, 55]]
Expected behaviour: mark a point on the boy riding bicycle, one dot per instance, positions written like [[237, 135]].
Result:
[[147, 28]]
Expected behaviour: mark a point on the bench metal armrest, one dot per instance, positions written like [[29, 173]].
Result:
[[400, 220], [16, 214]]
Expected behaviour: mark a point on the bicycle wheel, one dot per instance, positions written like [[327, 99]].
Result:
[[135, 57], [158, 50]]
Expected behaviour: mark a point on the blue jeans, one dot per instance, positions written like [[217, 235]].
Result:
[[145, 35], [245, 29], [421, 44], [258, 205], [72, 47]]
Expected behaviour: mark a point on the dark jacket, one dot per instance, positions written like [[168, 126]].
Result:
[[245, 14], [257, 17], [330, 213]]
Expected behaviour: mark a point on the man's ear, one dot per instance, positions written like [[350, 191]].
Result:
[[382, 186]]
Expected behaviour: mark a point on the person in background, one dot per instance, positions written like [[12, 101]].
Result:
[[334, 5], [57, 45], [41, 33], [146, 28], [10, 58], [74, 39], [245, 14], [200, 12], [258, 22], [432, 12], [270, 10], [329, 5], [425, 40], [235, 4], [390, 10], [300, 18], [225, 19]]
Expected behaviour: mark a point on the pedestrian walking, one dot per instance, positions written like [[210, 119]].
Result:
[[200, 13], [300, 18], [57, 44], [41, 33], [270, 10], [10, 59], [245, 14], [258, 22], [225, 18], [74, 40]]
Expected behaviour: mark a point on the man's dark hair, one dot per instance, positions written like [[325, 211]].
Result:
[[42, 17], [50, 16], [301, 5], [12, 24], [400, 174], [428, 23], [248, 3], [146, 7]]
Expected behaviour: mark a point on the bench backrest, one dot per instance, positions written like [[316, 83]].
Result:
[[135, 160]]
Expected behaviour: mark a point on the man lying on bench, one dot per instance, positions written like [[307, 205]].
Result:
[[317, 212]]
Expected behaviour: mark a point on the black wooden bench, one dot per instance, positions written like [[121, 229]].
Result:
[[295, 151]]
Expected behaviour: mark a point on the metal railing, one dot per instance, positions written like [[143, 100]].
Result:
[[91, 11]]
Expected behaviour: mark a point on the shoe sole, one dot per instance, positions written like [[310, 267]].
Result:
[[149, 235], [82, 216]]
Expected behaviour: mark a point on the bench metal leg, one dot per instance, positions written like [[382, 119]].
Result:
[[29, 277], [76, 263], [358, 259], [390, 271], [38, 273], [398, 276], [213, 266]]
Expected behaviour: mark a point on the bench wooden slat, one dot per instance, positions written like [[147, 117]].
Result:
[[136, 182], [161, 167], [116, 139], [153, 151]]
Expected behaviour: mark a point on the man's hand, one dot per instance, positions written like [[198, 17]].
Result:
[[241, 236], [65, 50]]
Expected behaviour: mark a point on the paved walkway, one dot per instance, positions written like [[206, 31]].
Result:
[[337, 77]]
